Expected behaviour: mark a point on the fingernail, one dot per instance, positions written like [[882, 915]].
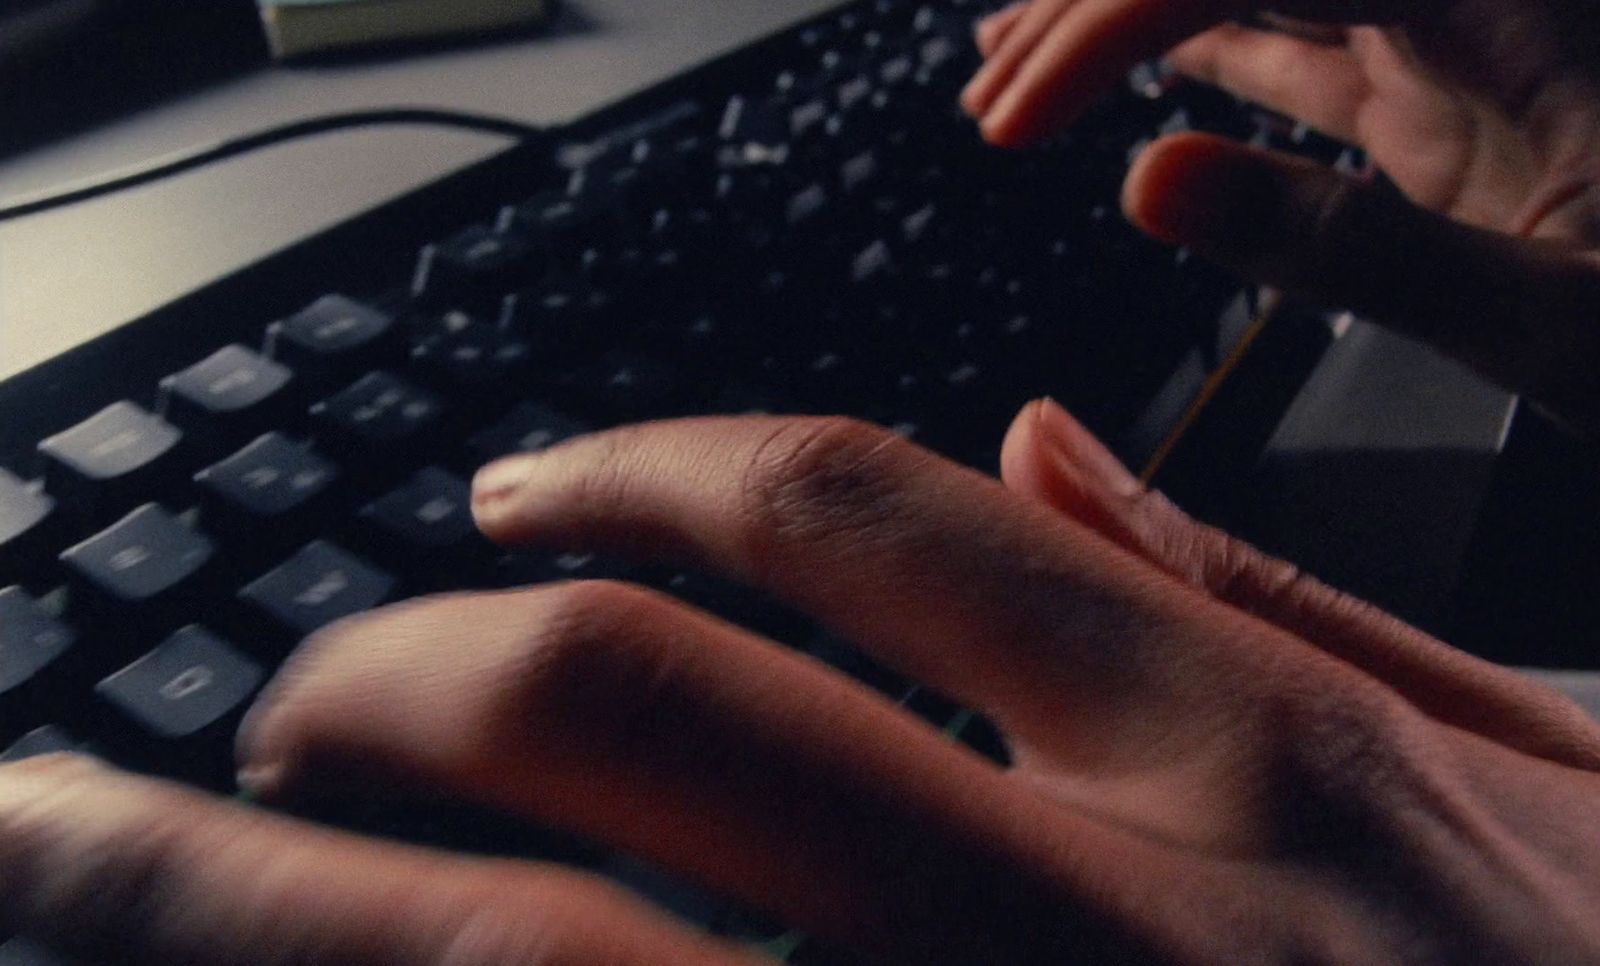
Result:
[[976, 97], [499, 480], [260, 771], [260, 781], [1070, 441]]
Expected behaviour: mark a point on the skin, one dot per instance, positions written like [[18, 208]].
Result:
[[1216, 759], [1483, 113]]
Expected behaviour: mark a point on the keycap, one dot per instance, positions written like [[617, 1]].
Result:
[[432, 511], [233, 392], [29, 522], [478, 364], [475, 267], [806, 205], [859, 171], [378, 413], [335, 336], [320, 584], [190, 681], [47, 740], [560, 224], [139, 566], [118, 457], [271, 480], [528, 428], [32, 642]]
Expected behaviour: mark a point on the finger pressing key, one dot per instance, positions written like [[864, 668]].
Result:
[[1064, 638], [623, 715]]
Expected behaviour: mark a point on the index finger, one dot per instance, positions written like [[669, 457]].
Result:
[[1064, 55], [1063, 637]]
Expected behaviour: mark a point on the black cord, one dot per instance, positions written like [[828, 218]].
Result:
[[233, 147]]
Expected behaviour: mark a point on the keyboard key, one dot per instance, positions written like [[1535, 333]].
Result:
[[379, 413], [431, 512], [233, 391], [317, 586], [30, 638], [526, 429], [29, 521], [39, 661], [144, 554], [477, 363], [561, 224], [335, 336], [270, 479], [120, 456], [32, 643], [189, 682], [477, 266], [48, 740]]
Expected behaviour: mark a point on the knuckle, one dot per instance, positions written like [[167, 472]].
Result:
[[558, 918], [583, 621], [1351, 755], [94, 850], [817, 476], [598, 661]]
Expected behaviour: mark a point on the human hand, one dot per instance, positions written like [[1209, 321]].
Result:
[[1484, 113], [1216, 759]]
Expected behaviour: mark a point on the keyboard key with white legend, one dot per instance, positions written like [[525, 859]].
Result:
[[31, 641], [120, 456], [272, 481], [27, 517], [139, 564], [320, 584], [377, 413], [233, 391], [335, 336], [190, 681]]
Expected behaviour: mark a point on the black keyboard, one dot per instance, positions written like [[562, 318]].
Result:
[[806, 225]]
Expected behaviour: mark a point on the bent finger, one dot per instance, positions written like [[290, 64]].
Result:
[[1051, 457], [1069, 642], [992, 30], [123, 869], [1044, 77], [1001, 63], [1319, 84], [623, 715], [1521, 312]]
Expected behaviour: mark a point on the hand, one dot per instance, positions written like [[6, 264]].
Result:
[[1484, 113], [1216, 759]]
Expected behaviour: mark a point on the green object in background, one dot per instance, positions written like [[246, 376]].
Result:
[[296, 28]]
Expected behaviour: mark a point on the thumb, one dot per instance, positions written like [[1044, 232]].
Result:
[[1524, 313], [1051, 457]]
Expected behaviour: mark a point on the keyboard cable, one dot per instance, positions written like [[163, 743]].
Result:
[[206, 155]]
